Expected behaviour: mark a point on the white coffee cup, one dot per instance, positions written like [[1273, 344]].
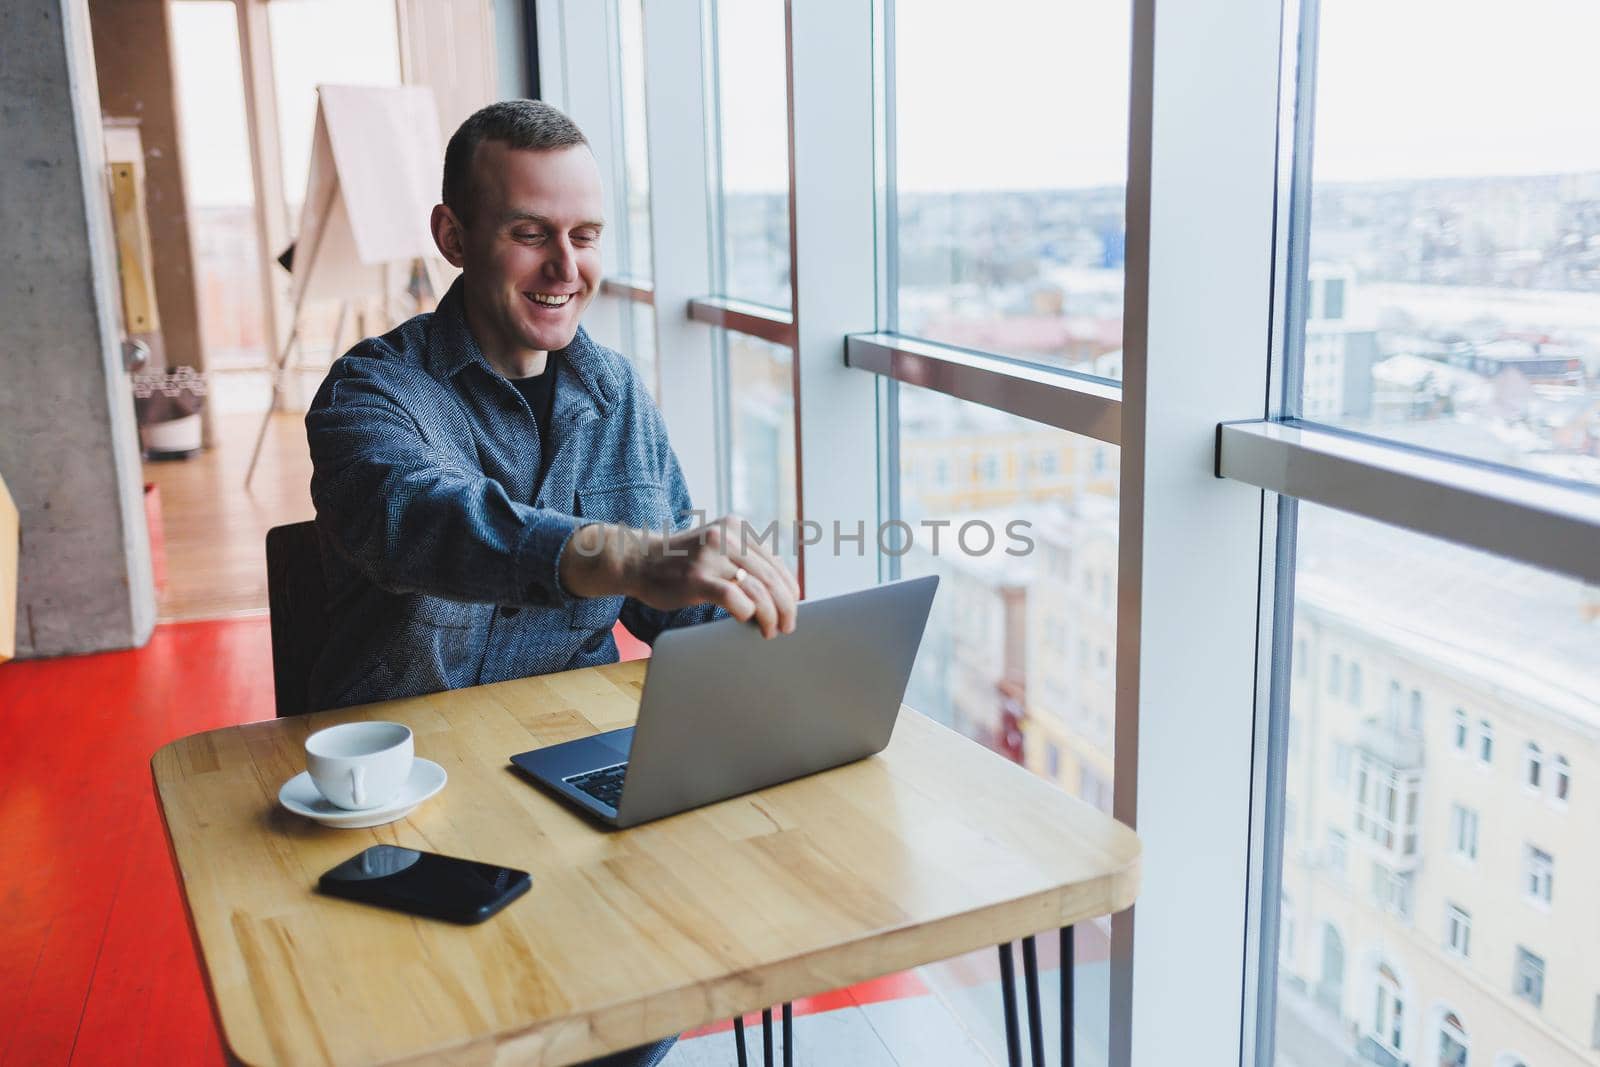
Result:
[[360, 765]]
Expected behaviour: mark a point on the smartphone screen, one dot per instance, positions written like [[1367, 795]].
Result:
[[425, 883]]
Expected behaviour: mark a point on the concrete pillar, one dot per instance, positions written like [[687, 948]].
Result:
[[133, 65], [68, 446]]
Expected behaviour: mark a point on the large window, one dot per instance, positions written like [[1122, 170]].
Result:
[[1010, 168], [760, 421], [1454, 297], [217, 181], [748, 103], [1445, 296], [1019, 521], [1346, 255], [1465, 626], [634, 179]]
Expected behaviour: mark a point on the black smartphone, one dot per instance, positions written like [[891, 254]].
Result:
[[425, 883]]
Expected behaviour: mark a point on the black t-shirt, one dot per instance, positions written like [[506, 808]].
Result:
[[540, 393]]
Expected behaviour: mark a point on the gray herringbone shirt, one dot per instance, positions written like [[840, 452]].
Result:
[[440, 551]]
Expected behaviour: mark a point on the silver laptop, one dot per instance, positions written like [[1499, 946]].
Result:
[[725, 712]]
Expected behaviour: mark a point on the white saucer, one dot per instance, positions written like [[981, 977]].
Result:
[[299, 794]]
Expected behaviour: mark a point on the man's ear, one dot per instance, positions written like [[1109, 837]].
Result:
[[449, 235]]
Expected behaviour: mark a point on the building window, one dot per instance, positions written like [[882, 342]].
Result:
[[1485, 742], [1459, 738], [1464, 832], [1391, 890], [1052, 760], [1563, 779], [1386, 806], [1335, 674], [1458, 930], [1452, 1042], [1532, 766], [1353, 688], [1338, 853], [1539, 875], [1388, 1016], [1341, 764], [1527, 981], [1392, 711], [1415, 721]]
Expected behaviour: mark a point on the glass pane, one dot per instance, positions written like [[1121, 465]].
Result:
[[1428, 909], [1454, 256], [635, 152], [761, 433], [221, 193], [1019, 521], [1011, 167], [752, 150], [641, 343]]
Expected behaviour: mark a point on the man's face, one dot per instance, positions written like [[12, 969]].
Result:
[[530, 250]]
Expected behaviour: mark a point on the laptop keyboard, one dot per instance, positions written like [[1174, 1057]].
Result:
[[605, 785]]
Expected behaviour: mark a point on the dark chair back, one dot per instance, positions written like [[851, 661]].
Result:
[[297, 600]]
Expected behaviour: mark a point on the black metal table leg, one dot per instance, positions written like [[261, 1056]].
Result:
[[738, 1035], [1008, 997], [1067, 969], [766, 1037], [788, 1034], [1030, 979]]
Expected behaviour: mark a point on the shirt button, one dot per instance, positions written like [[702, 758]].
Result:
[[508, 611]]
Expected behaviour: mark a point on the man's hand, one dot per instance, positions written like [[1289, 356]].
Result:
[[719, 563]]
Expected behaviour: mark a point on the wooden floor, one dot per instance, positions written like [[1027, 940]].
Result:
[[214, 530]]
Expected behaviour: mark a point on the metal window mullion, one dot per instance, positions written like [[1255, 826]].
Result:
[[834, 275], [1200, 221], [1081, 405], [1523, 517], [1290, 291]]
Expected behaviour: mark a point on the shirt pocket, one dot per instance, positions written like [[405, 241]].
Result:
[[640, 504]]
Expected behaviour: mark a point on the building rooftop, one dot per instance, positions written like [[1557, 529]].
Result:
[[1523, 632]]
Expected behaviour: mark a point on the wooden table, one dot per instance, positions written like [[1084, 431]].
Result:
[[934, 848]]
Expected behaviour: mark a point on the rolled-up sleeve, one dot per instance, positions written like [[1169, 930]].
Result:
[[414, 519]]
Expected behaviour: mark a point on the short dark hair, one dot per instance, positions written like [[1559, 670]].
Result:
[[530, 124]]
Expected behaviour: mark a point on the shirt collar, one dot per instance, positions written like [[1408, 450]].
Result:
[[452, 348]]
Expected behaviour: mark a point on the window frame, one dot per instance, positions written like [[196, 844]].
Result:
[[1462, 820], [1457, 920], [1538, 876], [1528, 970]]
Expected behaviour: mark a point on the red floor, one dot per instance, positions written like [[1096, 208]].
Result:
[[95, 955], [96, 962]]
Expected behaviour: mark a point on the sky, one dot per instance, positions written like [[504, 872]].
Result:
[[1030, 95]]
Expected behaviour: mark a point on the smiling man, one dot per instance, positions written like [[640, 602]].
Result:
[[494, 490]]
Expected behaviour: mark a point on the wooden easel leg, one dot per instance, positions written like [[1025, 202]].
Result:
[[272, 405]]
